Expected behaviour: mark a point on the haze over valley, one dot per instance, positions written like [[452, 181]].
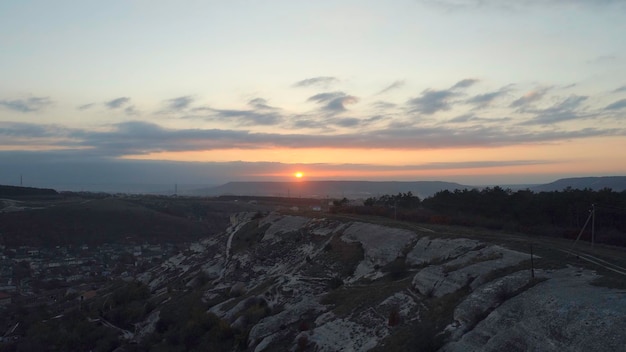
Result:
[[405, 175]]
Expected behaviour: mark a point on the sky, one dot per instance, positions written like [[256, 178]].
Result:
[[206, 92]]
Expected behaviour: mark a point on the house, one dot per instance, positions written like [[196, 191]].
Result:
[[5, 299], [87, 295]]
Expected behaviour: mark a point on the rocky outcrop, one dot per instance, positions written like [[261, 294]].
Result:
[[562, 313], [381, 245], [282, 224], [429, 250], [293, 283], [470, 269]]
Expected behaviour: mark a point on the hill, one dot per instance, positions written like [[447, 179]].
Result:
[[616, 183], [286, 282], [332, 189], [96, 220], [15, 191]]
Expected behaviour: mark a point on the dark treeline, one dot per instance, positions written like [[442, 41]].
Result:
[[401, 200], [12, 191], [558, 213]]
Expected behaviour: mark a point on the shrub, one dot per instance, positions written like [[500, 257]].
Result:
[[303, 342], [394, 317], [335, 283]]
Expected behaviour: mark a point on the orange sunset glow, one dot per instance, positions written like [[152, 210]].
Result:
[[426, 104]]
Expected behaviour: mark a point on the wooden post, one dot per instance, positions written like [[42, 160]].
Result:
[[532, 262], [593, 226]]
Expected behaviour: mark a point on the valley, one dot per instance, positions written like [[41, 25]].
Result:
[[281, 277]]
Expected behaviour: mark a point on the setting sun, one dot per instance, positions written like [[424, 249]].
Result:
[[298, 174]]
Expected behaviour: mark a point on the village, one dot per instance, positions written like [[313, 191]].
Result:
[[32, 276]]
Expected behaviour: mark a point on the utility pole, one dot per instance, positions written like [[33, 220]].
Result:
[[593, 226], [21, 184], [591, 212], [532, 263], [395, 210]]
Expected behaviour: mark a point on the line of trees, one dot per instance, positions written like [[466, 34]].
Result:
[[558, 213], [401, 200]]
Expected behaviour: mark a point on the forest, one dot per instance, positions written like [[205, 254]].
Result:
[[557, 213]]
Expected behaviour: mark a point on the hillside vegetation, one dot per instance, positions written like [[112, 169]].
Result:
[[99, 218], [556, 214], [287, 282]]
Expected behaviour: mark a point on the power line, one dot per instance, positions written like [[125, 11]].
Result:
[[611, 207]]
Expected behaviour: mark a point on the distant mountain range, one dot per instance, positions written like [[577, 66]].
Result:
[[11, 191], [616, 183], [331, 189], [366, 189], [348, 189]]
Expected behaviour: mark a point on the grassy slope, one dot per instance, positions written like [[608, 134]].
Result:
[[93, 221]]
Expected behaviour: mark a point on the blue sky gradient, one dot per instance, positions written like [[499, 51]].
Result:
[[497, 91]]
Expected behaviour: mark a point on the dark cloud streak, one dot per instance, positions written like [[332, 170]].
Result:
[[322, 81], [179, 104], [432, 101], [32, 104], [566, 110], [618, 105], [86, 106], [533, 96], [620, 89], [117, 102], [138, 137], [392, 86], [335, 102]]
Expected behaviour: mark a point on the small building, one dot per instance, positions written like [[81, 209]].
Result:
[[5, 299]]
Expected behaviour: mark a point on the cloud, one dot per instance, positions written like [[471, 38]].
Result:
[[521, 5], [603, 59], [131, 110], [568, 86], [261, 104], [392, 86], [31, 130], [466, 83], [479, 164], [383, 105], [565, 110], [327, 124], [335, 102], [473, 118], [432, 101], [620, 104], [529, 98], [260, 114], [117, 102], [463, 118], [309, 123], [354, 122], [31, 104], [242, 117], [179, 103], [322, 81], [620, 89], [140, 137], [69, 170], [85, 106], [483, 100], [347, 122]]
